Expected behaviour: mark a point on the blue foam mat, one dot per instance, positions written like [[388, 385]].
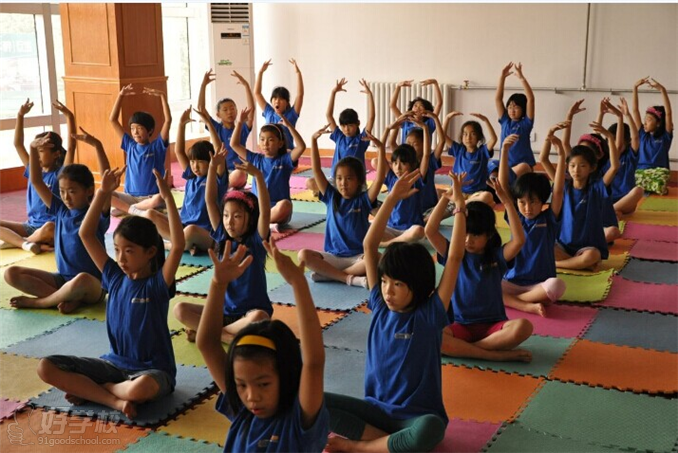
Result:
[[192, 383], [651, 271], [82, 337], [349, 332], [20, 325], [200, 283], [326, 295], [301, 220], [345, 372], [645, 330]]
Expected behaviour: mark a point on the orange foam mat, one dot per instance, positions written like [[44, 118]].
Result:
[[288, 315], [619, 367], [655, 218], [46, 431], [483, 396], [621, 246], [201, 423], [18, 378]]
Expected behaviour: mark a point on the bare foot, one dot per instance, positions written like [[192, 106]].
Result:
[[74, 400], [516, 355], [190, 335], [68, 306], [129, 409], [536, 308], [23, 302], [339, 443], [46, 248]]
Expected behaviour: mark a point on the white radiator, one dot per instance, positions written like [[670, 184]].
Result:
[[383, 91]]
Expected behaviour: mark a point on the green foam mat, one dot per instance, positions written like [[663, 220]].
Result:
[[515, 438], [311, 207], [20, 325], [185, 352], [164, 442], [603, 417], [586, 288], [659, 204], [318, 228], [546, 351]]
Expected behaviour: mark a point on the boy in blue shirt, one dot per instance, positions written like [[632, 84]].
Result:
[[141, 154]]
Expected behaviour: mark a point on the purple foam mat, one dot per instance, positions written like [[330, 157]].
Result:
[[655, 250], [641, 296], [634, 230], [566, 321]]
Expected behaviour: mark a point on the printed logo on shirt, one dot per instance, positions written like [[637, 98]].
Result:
[[264, 443], [355, 211], [149, 155], [540, 225], [402, 336], [484, 267], [277, 167], [141, 300]]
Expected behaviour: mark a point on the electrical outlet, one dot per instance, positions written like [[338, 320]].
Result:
[[533, 137]]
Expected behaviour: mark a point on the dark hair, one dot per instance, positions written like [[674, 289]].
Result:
[[282, 93], [417, 132], [144, 119], [477, 128], [481, 220], [252, 212], [357, 167], [56, 140], [627, 134], [77, 173], [518, 99], [142, 232], [348, 116], [406, 154], [223, 100], [532, 184], [280, 133], [661, 125], [202, 150], [586, 153], [286, 359], [411, 264], [425, 102]]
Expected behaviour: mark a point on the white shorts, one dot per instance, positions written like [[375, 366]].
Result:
[[341, 262]]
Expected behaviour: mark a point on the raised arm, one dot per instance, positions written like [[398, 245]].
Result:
[[102, 158], [214, 135], [544, 156], [318, 175], [513, 246], [609, 175], [238, 147], [70, 123], [169, 269], [635, 133], [329, 114], [263, 197], [180, 145], [248, 94], [426, 153], [528, 90], [491, 134], [208, 337], [499, 94], [567, 133], [208, 78], [446, 124], [608, 107], [396, 94], [438, 106], [311, 386], [211, 191], [35, 171], [503, 160], [19, 132], [401, 190], [390, 138], [456, 250], [166, 112], [442, 137], [299, 143], [114, 118], [559, 180], [370, 105], [110, 180], [636, 109], [667, 104], [261, 100], [375, 188], [299, 100]]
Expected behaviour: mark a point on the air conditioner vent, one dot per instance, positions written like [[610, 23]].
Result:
[[230, 13]]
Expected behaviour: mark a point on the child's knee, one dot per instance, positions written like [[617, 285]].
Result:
[[303, 255], [145, 388], [311, 185], [46, 370], [13, 274], [522, 328], [180, 311], [418, 232], [555, 288], [258, 315]]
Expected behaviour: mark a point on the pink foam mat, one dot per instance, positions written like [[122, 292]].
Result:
[[642, 296], [466, 436], [565, 321], [325, 162], [8, 407], [650, 232], [298, 241], [298, 182], [655, 250]]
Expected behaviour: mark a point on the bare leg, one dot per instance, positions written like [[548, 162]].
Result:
[[197, 239], [628, 203], [43, 235], [153, 202], [412, 234], [372, 440], [122, 201], [521, 169], [84, 288], [231, 330], [31, 281], [133, 392], [587, 260], [189, 315], [237, 179], [611, 233], [455, 347], [281, 212], [528, 307], [484, 196]]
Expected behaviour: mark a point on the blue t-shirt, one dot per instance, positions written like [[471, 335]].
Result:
[[521, 151], [582, 217], [654, 152], [194, 210], [536, 261], [249, 291], [429, 194], [625, 179], [402, 369], [348, 146], [280, 433], [474, 164], [346, 225], [406, 212], [141, 160], [291, 115], [409, 125], [225, 136], [477, 296], [36, 209], [71, 255], [277, 172], [136, 321]]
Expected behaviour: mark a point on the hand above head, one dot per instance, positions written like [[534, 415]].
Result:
[[499, 190], [623, 106], [265, 66], [598, 128], [510, 141], [576, 108], [339, 86], [366, 87], [323, 130], [231, 266], [405, 83], [241, 79], [42, 142], [153, 92], [86, 137], [519, 70], [289, 271], [163, 183], [654, 84], [506, 70], [426, 82], [403, 186], [293, 62], [557, 127], [110, 179], [248, 168], [209, 77], [202, 113], [219, 158], [186, 117], [643, 81], [369, 137], [62, 108], [127, 90], [25, 107], [452, 114], [480, 116], [245, 114]]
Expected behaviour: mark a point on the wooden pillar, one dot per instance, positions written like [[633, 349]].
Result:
[[108, 46]]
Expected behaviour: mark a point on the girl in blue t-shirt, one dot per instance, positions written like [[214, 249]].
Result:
[[280, 102], [417, 107], [348, 211], [472, 155], [656, 136], [226, 113], [275, 162], [140, 365], [516, 117], [243, 219], [78, 281], [398, 413], [37, 233], [479, 327], [271, 386], [194, 217]]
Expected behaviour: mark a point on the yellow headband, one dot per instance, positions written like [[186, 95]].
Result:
[[256, 340]]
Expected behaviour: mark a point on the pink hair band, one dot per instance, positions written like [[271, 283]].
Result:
[[654, 111], [593, 139], [240, 196]]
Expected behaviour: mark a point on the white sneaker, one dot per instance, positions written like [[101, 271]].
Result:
[[31, 247]]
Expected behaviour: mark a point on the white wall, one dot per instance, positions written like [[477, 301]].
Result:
[[455, 42]]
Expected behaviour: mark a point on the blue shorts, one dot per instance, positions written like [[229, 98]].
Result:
[[29, 228]]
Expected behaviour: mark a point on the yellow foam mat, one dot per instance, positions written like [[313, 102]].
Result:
[[172, 321], [9, 256], [270, 264], [187, 271], [306, 195], [185, 352], [202, 422], [18, 378], [614, 262], [44, 261]]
